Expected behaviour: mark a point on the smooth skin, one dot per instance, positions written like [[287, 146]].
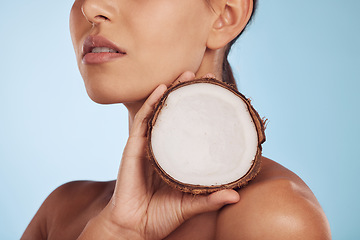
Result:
[[167, 41]]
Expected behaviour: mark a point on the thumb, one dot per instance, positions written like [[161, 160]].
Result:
[[200, 204]]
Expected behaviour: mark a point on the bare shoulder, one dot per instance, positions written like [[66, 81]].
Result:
[[276, 205], [68, 203]]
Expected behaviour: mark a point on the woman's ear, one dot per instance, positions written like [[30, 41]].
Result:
[[232, 17]]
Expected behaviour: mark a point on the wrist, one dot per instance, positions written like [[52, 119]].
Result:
[[101, 227]]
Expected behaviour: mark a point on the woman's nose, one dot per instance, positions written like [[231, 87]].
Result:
[[97, 11]]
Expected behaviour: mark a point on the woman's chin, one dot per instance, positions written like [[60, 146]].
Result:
[[112, 97], [103, 97], [102, 100]]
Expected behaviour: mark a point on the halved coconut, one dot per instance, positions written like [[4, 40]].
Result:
[[205, 136]]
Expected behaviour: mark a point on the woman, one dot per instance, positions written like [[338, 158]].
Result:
[[129, 51]]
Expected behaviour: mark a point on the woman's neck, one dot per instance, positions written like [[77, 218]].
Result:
[[133, 108]]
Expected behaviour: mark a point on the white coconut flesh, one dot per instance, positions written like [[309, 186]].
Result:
[[204, 135]]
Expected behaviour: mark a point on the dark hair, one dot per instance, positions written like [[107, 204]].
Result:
[[227, 74]]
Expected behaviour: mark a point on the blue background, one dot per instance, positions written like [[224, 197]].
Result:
[[299, 61]]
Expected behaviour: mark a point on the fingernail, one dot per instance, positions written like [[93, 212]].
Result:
[[209, 75]]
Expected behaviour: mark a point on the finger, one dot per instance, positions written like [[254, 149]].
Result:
[[209, 75], [184, 77], [212, 202], [140, 121]]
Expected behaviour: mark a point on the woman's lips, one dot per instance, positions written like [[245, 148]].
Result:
[[97, 49], [97, 58]]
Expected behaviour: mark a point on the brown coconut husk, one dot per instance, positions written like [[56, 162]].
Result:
[[200, 189]]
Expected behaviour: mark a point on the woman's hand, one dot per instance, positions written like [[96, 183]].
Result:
[[143, 206]]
